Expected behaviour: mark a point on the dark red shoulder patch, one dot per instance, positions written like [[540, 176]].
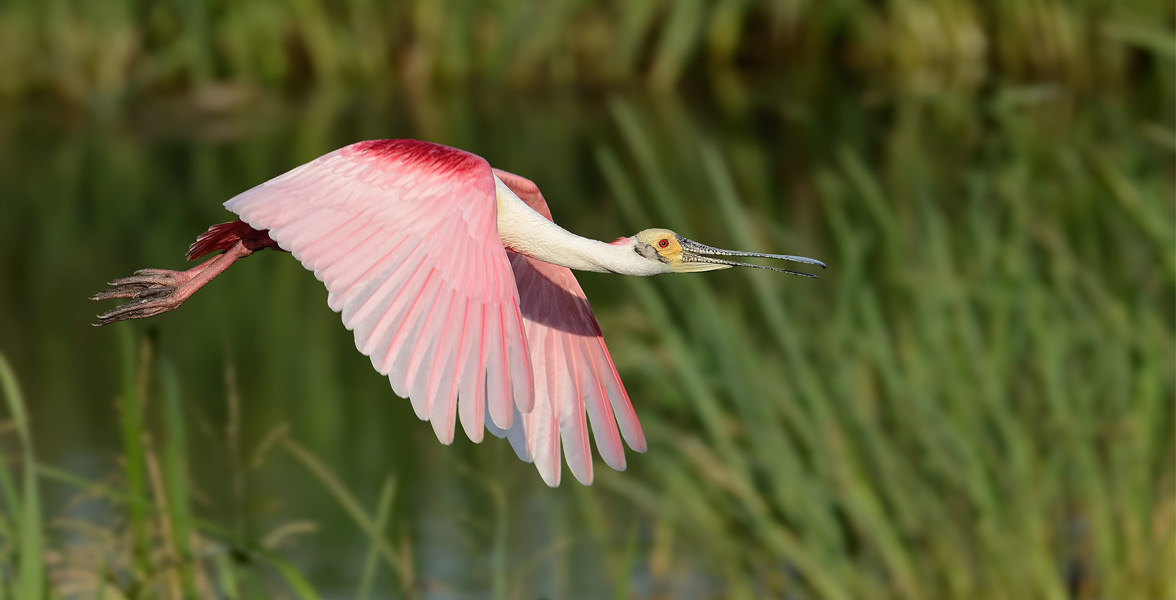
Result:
[[417, 154]]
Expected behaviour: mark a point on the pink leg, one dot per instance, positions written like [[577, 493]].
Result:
[[155, 291]]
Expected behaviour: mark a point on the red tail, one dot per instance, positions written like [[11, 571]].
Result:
[[223, 235]]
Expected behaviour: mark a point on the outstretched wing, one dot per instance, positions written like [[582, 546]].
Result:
[[574, 373], [404, 234]]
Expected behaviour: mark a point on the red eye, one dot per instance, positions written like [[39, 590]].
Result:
[[663, 243]]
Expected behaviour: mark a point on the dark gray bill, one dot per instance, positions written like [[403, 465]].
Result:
[[694, 252]]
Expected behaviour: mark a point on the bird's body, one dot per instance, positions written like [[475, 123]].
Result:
[[457, 284]]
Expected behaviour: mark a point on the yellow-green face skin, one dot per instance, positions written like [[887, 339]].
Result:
[[669, 249]]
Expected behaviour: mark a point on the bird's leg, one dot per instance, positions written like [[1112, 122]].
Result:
[[155, 291]]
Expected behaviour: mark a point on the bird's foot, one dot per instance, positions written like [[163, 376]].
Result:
[[152, 291], [155, 291]]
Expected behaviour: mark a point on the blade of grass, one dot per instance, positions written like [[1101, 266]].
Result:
[[30, 581], [628, 565], [353, 508], [383, 511], [176, 475], [131, 424]]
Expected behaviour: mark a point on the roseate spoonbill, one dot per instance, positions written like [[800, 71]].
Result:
[[457, 285]]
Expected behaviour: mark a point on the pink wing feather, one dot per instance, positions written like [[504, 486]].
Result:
[[574, 372], [404, 235]]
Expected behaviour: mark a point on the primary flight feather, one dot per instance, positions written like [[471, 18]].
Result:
[[457, 285]]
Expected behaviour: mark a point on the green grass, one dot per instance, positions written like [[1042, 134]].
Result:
[[22, 520], [107, 55]]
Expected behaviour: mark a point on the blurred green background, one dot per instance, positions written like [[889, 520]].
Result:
[[975, 400]]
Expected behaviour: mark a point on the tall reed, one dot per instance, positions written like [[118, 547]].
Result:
[[973, 401]]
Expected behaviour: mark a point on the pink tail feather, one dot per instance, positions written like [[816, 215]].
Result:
[[223, 236]]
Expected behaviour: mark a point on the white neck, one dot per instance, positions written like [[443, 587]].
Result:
[[527, 232]]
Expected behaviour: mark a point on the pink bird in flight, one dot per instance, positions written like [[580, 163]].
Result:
[[457, 285]]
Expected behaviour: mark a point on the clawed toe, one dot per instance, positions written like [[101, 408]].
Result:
[[136, 286], [154, 278], [138, 308], [126, 290]]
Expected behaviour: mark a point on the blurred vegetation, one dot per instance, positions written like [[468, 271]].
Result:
[[975, 400], [979, 401], [103, 54]]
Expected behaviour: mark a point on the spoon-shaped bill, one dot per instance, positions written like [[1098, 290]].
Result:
[[700, 257]]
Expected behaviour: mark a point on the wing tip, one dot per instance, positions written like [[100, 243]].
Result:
[[550, 476], [587, 477]]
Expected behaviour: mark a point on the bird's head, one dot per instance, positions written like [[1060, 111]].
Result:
[[682, 255]]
